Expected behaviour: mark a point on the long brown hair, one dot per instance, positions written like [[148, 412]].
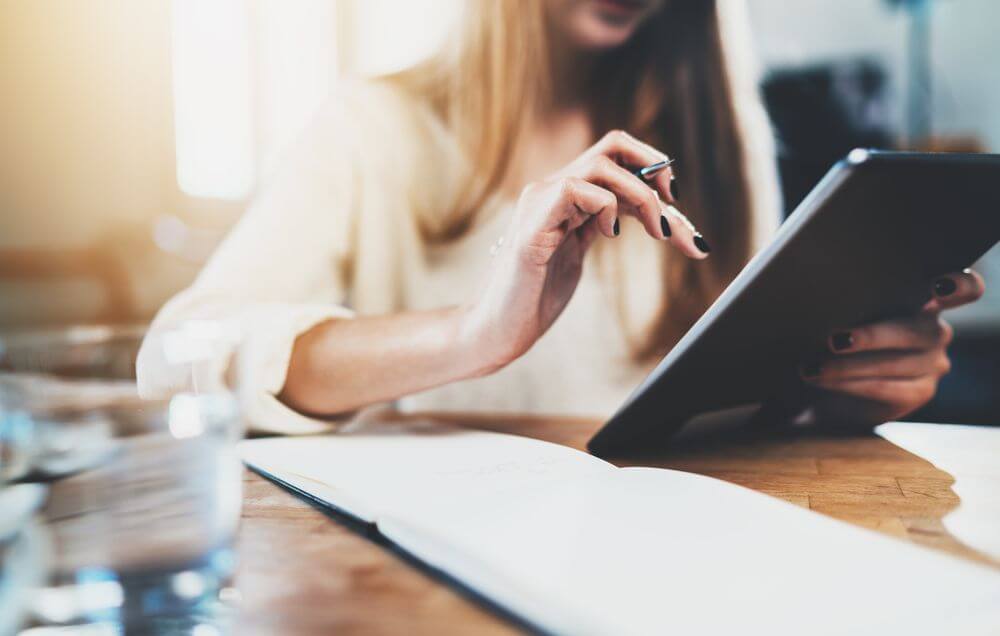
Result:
[[669, 85]]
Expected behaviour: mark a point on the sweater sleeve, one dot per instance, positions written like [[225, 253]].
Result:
[[280, 271]]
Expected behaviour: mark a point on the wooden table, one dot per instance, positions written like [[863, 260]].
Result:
[[303, 572]]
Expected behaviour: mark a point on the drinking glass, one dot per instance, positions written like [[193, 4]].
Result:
[[144, 493]]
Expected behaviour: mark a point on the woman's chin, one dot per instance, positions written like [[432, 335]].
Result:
[[598, 33], [597, 25]]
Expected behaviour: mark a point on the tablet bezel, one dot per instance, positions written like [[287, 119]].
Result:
[[613, 437]]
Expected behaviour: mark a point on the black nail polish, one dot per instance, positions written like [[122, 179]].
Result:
[[842, 340], [664, 226], [944, 287], [701, 243], [616, 228], [675, 190]]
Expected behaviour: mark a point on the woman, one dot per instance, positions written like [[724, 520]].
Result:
[[453, 207]]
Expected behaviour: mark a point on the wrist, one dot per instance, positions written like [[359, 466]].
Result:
[[480, 353]]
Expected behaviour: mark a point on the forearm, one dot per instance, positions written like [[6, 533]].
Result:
[[342, 365]]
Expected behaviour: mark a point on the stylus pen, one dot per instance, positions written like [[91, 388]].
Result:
[[652, 169]]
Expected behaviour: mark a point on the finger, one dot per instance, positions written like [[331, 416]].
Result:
[[907, 393], [659, 219], [583, 200], [588, 232], [879, 364], [681, 231], [955, 290], [564, 204], [925, 330], [623, 148], [634, 197], [590, 201], [661, 177], [664, 183]]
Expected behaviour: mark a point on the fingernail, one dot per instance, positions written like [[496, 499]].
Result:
[[842, 340], [617, 228], [664, 226], [810, 370], [944, 287], [701, 243], [675, 190]]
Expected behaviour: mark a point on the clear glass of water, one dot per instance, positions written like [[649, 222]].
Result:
[[144, 495]]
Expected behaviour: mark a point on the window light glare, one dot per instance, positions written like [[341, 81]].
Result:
[[212, 98]]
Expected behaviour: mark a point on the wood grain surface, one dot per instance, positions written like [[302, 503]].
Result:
[[305, 572]]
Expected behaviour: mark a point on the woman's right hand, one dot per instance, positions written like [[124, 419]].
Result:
[[539, 259]]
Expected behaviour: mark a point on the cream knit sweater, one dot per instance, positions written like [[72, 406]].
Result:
[[334, 235]]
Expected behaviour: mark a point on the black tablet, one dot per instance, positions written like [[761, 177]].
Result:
[[865, 245]]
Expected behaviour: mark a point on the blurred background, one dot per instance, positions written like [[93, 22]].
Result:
[[132, 134]]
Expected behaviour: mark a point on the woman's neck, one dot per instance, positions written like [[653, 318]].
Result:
[[570, 71], [559, 129]]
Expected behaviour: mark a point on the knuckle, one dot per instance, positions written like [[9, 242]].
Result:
[[617, 136], [880, 390], [602, 164], [946, 333], [608, 200], [653, 201], [976, 288], [980, 281], [568, 187], [943, 365], [924, 392]]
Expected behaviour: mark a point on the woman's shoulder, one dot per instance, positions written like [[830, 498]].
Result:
[[366, 133], [374, 96], [378, 110], [393, 137]]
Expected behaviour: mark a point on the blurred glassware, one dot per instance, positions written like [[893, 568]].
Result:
[[23, 552], [144, 494]]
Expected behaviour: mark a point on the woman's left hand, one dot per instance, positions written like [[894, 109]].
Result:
[[884, 370]]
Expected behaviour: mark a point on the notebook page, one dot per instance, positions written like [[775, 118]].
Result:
[[970, 454], [416, 469], [574, 545], [643, 551]]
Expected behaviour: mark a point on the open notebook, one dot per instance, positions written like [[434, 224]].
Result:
[[971, 455], [573, 544]]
